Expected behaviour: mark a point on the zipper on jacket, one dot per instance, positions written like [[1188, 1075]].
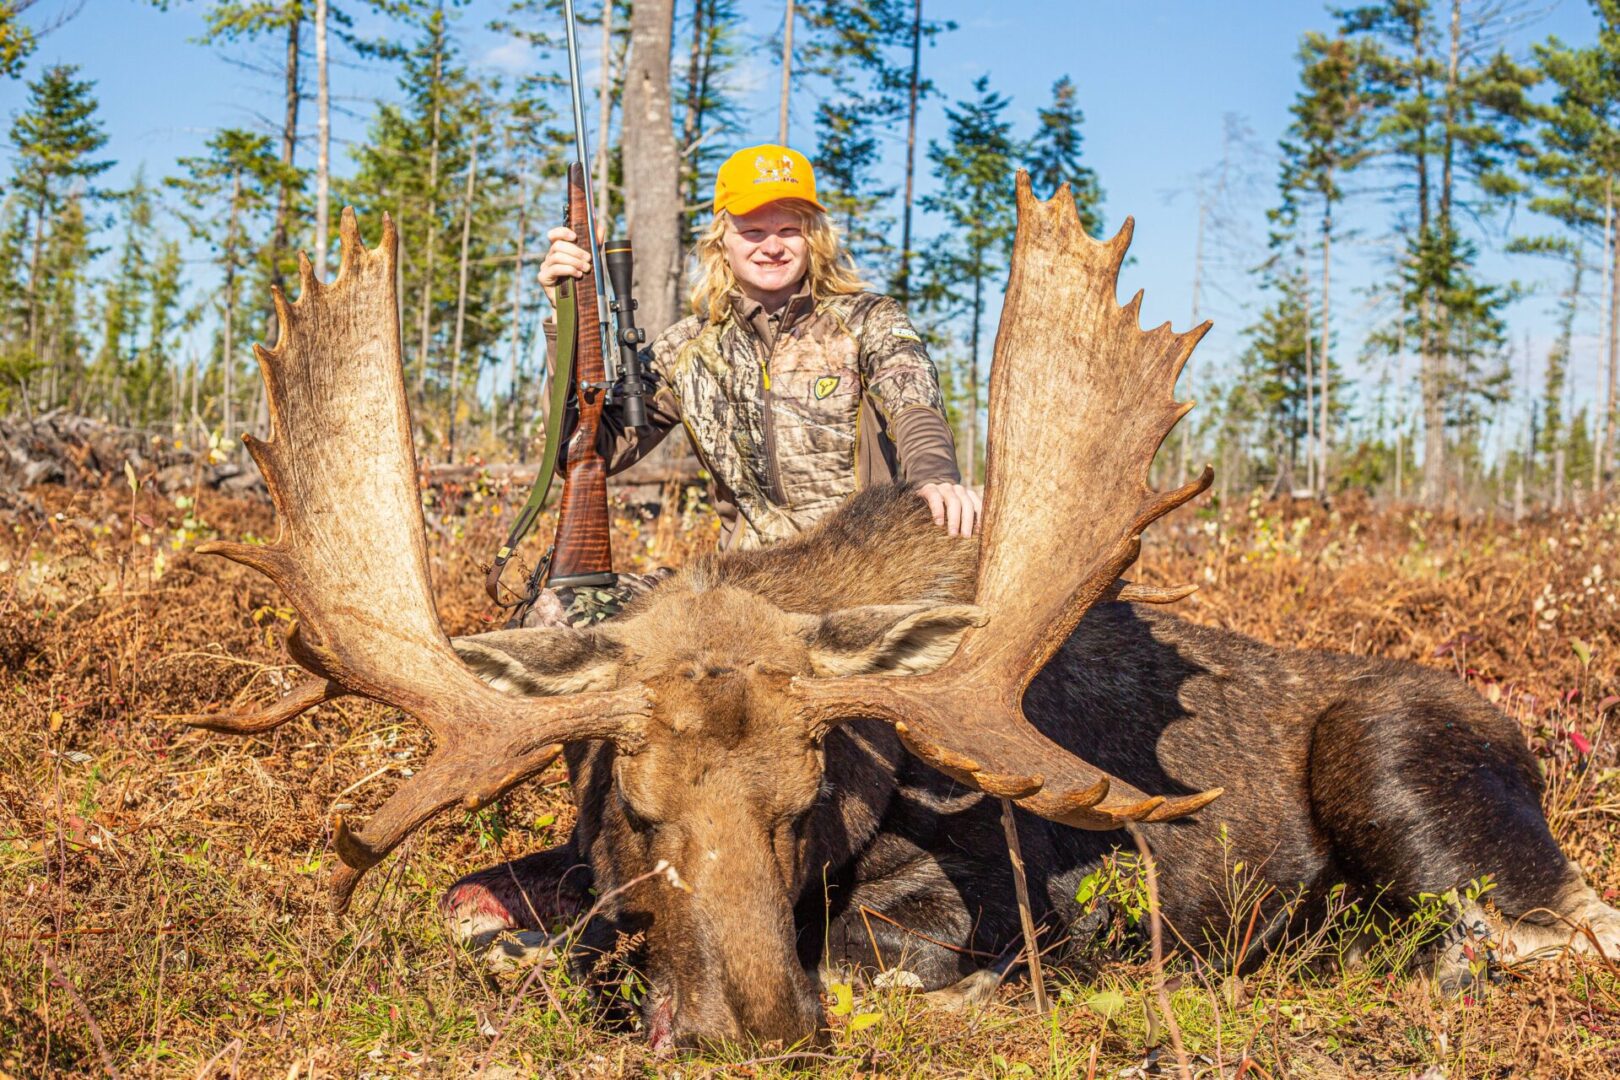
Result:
[[773, 471]]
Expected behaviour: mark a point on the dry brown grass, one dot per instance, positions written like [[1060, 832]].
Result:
[[164, 890]]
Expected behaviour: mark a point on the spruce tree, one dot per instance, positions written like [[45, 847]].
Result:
[[974, 168], [1577, 165], [868, 56], [1053, 155], [415, 164], [708, 113], [1451, 119], [230, 195], [123, 379], [55, 138], [1330, 135], [846, 164]]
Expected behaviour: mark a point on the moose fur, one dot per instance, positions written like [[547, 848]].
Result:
[[797, 855]]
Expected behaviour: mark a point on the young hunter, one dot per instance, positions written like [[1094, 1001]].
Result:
[[796, 386]]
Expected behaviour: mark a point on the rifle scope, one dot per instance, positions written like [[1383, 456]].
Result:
[[632, 391]]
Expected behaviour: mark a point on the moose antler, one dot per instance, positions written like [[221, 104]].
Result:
[[352, 559], [1066, 500]]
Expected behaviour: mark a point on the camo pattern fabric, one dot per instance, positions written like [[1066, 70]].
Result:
[[584, 607], [777, 422]]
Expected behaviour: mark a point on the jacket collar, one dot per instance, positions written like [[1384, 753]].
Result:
[[751, 313]]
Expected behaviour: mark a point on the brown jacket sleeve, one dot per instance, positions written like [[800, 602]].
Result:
[[622, 447], [922, 441], [903, 385]]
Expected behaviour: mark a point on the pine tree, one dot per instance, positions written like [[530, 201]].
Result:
[[1551, 428], [1275, 370], [416, 164], [974, 169], [1451, 117], [846, 163], [869, 56], [1053, 155], [228, 194], [232, 23], [707, 107], [1578, 166], [55, 137], [1330, 135], [121, 375]]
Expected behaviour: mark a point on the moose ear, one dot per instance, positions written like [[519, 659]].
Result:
[[542, 661], [892, 639]]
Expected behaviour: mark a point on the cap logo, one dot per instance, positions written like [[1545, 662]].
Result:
[[780, 172]]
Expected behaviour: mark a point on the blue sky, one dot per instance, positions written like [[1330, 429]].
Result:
[[1161, 83]]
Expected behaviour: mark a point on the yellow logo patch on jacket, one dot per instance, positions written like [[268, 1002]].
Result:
[[826, 385]]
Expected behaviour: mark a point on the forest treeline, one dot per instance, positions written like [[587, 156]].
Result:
[[137, 302]]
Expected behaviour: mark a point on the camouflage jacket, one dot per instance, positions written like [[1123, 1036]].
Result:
[[791, 413]]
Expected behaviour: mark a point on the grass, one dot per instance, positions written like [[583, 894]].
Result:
[[164, 908]]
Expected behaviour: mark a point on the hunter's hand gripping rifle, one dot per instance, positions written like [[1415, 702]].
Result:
[[581, 387]]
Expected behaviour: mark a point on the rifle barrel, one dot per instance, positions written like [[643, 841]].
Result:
[[582, 151]]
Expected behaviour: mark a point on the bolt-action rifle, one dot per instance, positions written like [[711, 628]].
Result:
[[582, 386]]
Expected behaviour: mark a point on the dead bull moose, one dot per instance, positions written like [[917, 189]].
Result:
[[815, 735]]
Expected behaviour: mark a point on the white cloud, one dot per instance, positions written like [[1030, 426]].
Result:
[[511, 55]]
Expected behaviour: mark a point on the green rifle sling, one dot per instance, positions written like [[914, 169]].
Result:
[[562, 378]]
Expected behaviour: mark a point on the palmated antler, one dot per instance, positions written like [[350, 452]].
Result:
[[352, 559], [1080, 401]]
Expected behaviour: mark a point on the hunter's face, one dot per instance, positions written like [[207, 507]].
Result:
[[768, 251]]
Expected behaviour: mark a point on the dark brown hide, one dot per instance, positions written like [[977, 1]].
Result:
[[1384, 776]]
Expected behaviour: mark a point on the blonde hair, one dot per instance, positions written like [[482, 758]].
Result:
[[832, 272]]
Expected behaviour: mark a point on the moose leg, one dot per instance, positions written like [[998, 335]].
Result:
[[914, 928], [532, 893], [1423, 788]]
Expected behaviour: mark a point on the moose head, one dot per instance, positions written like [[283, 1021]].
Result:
[[710, 710]]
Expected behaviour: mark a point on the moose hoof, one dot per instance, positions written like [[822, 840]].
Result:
[[971, 992], [519, 950], [1465, 958]]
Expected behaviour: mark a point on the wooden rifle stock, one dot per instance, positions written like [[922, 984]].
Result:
[[582, 553]]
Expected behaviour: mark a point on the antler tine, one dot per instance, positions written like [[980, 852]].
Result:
[[1065, 507], [306, 695], [340, 464]]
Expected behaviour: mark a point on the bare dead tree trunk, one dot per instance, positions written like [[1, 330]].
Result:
[[1400, 415], [1560, 458], [461, 302], [1324, 352], [38, 257], [323, 141], [787, 76], [228, 359], [425, 317], [692, 126], [903, 280], [652, 189], [196, 390], [517, 299], [1310, 388], [1183, 443], [289, 144], [1606, 458], [1433, 373]]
